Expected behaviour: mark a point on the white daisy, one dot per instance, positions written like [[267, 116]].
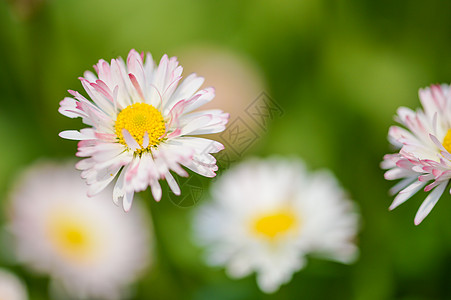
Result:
[[140, 118], [11, 287], [424, 158], [85, 244], [267, 215]]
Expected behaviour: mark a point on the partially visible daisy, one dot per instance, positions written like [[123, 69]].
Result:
[[424, 158], [11, 287], [267, 215], [141, 122], [85, 244]]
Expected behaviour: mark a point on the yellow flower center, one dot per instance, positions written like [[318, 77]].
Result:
[[138, 119], [72, 237], [447, 141], [275, 224]]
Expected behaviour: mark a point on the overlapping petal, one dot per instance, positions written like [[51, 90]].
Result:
[[423, 162]]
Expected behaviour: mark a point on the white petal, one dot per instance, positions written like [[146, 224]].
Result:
[[269, 283], [172, 184], [401, 185], [429, 203], [206, 96], [196, 124], [107, 152], [85, 164], [128, 200], [156, 190], [98, 186], [74, 135], [201, 145], [398, 173], [119, 188], [185, 90], [131, 143], [405, 194], [145, 140]]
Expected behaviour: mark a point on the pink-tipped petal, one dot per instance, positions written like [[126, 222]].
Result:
[[401, 185], [406, 194], [429, 203]]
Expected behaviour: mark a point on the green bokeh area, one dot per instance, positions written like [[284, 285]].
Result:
[[338, 69]]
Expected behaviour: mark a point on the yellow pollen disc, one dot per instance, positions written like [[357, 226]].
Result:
[[275, 224], [447, 141], [138, 119], [72, 238]]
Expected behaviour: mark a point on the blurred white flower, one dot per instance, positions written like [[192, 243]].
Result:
[[11, 287], [267, 215], [424, 158], [86, 245], [142, 122], [237, 79]]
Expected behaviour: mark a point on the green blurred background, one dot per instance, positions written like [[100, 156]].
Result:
[[338, 69]]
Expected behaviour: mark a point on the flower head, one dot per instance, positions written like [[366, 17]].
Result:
[[85, 244], [266, 216], [424, 158], [11, 287], [140, 119]]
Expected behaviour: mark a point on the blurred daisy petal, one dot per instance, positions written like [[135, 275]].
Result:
[[11, 287]]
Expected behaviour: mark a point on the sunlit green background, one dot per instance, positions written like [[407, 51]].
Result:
[[339, 70]]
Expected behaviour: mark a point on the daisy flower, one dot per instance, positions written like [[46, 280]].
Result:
[[424, 158], [86, 245], [140, 120], [267, 215], [11, 287]]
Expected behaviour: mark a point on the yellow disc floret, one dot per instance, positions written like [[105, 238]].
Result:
[[275, 224], [138, 119], [72, 237], [447, 141]]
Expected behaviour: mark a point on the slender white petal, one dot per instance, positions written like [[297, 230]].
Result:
[[429, 203], [406, 194], [156, 189], [401, 185], [145, 140], [128, 200], [173, 184], [131, 142], [74, 135]]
